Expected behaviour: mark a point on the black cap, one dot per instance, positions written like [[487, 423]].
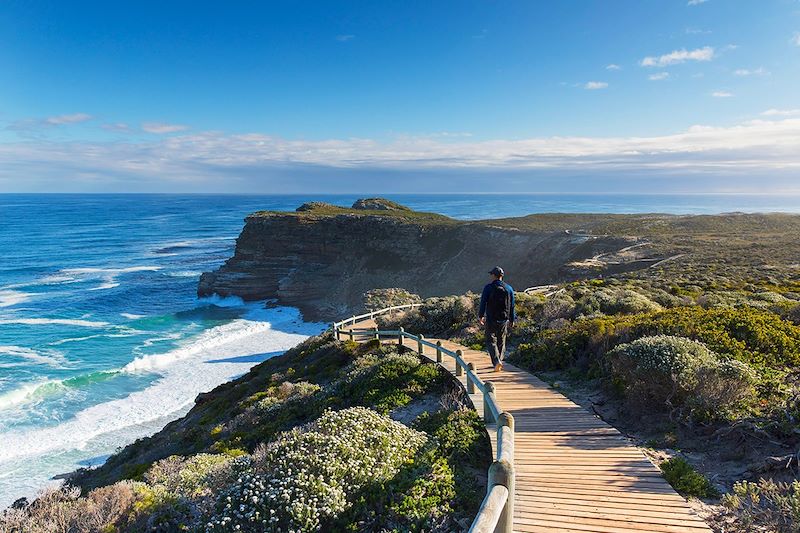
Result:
[[497, 271]]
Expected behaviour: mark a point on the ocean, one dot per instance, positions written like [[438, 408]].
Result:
[[102, 337]]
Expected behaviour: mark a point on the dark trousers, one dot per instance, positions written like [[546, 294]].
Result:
[[496, 340]]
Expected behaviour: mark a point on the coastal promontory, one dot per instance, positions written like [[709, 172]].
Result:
[[323, 258]]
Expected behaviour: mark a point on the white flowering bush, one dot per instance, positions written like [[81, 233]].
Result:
[[265, 403], [189, 476], [681, 373], [309, 475]]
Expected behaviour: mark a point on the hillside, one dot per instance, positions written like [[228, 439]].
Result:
[[323, 258], [330, 436]]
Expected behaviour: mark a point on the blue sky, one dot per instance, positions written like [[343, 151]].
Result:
[[645, 96]]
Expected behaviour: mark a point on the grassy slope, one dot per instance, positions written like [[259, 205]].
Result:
[[320, 375]]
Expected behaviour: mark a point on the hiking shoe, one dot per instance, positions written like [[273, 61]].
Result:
[[498, 367]]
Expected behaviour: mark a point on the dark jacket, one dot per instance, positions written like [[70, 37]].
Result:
[[485, 295]]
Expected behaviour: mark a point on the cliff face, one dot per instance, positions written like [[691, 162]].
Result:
[[323, 259]]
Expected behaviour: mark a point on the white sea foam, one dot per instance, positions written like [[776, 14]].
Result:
[[107, 276], [10, 297], [123, 332], [106, 285], [208, 360], [222, 301], [131, 316], [29, 392], [20, 394], [43, 357], [185, 274], [55, 321], [206, 342]]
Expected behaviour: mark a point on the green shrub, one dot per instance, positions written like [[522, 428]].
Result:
[[387, 382], [381, 298], [437, 316], [309, 476], [193, 476], [756, 337], [680, 373], [765, 504], [428, 498], [616, 301], [459, 433], [686, 480]]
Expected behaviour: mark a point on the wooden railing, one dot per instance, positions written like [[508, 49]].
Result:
[[496, 513]]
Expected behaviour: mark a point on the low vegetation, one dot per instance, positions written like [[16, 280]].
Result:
[[701, 362], [686, 480], [332, 436], [765, 505]]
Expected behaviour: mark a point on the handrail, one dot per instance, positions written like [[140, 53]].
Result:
[[490, 510], [372, 314], [496, 513]]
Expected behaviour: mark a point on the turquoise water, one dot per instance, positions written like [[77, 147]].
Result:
[[102, 338]]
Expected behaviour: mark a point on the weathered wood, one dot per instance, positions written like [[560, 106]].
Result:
[[490, 510], [470, 378]]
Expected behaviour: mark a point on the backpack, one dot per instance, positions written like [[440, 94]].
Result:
[[498, 303]]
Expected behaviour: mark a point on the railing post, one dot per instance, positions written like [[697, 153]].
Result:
[[459, 360], [438, 351], [419, 344], [352, 337], [502, 472], [487, 411], [400, 337], [353, 320], [377, 336], [470, 376]]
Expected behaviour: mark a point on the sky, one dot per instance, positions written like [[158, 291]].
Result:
[[371, 96]]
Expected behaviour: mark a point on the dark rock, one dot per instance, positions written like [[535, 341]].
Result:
[[21, 503]]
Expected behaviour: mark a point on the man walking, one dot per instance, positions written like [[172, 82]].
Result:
[[497, 314]]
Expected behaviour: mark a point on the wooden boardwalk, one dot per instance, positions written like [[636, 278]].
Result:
[[574, 472]]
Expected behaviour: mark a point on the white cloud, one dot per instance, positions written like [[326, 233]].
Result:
[[117, 127], [161, 127], [207, 160], [796, 39], [613, 66], [696, 2], [595, 85], [345, 38], [679, 56], [743, 72], [74, 118], [781, 113], [722, 94], [659, 76]]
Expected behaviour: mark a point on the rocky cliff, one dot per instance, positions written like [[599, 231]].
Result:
[[322, 258]]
